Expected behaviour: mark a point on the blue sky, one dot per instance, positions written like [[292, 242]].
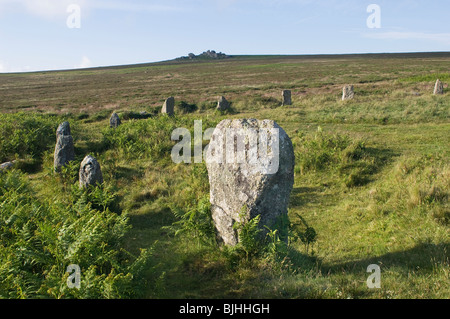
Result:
[[34, 34]]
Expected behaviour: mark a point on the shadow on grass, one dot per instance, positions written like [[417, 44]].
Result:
[[153, 220], [301, 196], [362, 170], [424, 256], [381, 156], [123, 172], [29, 166]]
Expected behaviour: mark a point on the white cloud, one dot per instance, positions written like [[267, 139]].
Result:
[[48, 8], [130, 7], [42, 8], [58, 8], [85, 63], [7, 68]]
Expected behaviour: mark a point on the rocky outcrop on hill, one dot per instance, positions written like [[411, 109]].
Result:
[[210, 54]]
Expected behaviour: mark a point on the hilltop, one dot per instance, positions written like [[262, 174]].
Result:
[[206, 55]]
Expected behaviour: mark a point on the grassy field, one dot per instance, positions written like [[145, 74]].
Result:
[[372, 179]]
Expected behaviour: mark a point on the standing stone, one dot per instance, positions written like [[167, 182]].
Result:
[[439, 87], [64, 148], [90, 172], [63, 129], [222, 104], [6, 166], [169, 106], [286, 95], [114, 121], [260, 187], [348, 93], [64, 151]]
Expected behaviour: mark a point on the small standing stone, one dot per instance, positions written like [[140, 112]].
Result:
[[286, 95], [64, 148], [6, 166], [114, 121], [348, 93], [169, 106], [64, 151], [222, 104], [439, 87], [90, 172]]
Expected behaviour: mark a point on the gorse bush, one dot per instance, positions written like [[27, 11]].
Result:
[[39, 240], [24, 134]]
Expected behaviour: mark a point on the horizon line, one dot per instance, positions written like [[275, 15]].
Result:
[[174, 60]]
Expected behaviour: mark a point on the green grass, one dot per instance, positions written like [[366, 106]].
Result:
[[372, 176], [428, 77]]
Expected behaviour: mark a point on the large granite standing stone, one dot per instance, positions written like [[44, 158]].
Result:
[[223, 104], [90, 172], [169, 106], [286, 96], [114, 120], [348, 92], [64, 148], [438, 87], [261, 186]]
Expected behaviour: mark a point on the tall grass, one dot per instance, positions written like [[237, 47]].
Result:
[[335, 152]]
